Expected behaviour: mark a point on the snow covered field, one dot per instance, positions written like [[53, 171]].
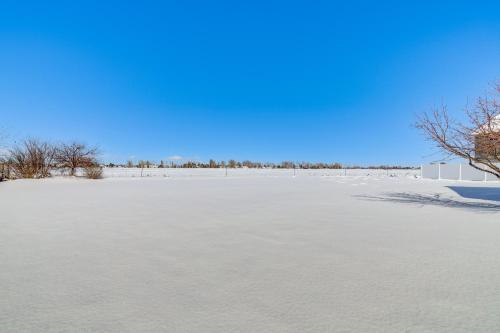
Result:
[[274, 253], [243, 172]]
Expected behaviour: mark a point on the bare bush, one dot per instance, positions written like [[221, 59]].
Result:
[[32, 159], [93, 172], [478, 140], [4, 169], [4, 166], [75, 155]]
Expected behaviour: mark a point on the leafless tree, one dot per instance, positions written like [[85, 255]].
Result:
[[477, 140], [32, 159], [75, 155]]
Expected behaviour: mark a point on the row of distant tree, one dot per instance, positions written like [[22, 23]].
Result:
[[38, 159], [233, 164]]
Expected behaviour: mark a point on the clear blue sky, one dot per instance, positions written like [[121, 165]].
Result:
[[261, 80]]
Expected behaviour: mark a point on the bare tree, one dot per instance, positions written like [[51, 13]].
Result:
[[32, 159], [76, 155], [477, 140]]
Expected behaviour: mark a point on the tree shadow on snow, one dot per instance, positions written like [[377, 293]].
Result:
[[483, 193], [434, 200]]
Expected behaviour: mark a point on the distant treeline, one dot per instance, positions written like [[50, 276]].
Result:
[[233, 164], [33, 158]]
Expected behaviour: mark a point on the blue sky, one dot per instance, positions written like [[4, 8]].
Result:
[[260, 80]]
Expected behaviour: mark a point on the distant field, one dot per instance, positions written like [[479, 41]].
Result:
[[242, 172]]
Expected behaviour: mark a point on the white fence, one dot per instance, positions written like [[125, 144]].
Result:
[[460, 171]]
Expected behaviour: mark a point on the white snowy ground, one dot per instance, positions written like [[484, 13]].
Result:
[[250, 254]]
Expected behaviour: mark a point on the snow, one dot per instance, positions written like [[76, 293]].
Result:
[[245, 172], [251, 252]]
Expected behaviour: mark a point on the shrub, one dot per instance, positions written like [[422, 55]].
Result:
[[93, 172], [32, 159], [4, 170]]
